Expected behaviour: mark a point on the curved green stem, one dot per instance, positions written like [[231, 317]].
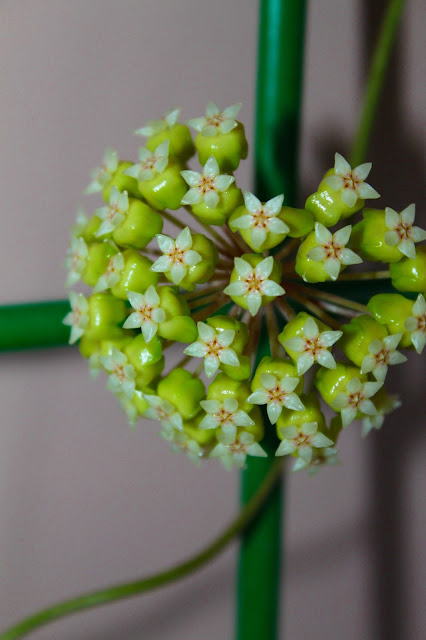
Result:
[[136, 588], [375, 80]]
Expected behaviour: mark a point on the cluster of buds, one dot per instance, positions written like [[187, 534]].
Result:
[[242, 268]]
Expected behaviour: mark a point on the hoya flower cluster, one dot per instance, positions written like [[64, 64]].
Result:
[[187, 271]]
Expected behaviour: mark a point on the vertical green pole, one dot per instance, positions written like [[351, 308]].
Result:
[[33, 325], [279, 89]]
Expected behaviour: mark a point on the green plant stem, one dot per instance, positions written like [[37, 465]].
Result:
[[375, 80], [136, 588], [33, 325]]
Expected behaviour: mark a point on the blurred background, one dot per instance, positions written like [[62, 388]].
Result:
[[85, 501]]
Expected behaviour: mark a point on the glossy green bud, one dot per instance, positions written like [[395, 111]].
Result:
[[180, 328], [369, 237], [165, 190], [311, 413], [149, 374], [139, 226], [105, 313], [140, 353], [224, 387], [184, 391], [276, 367], [227, 148], [410, 275], [392, 310], [358, 334], [122, 182], [229, 200], [98, 257], [294, 329], [89, 232], [331, 382], [327, 205], [117, 338], [242, 372], [203, 270], [135, 276], [300, 221], [179, 136], [204, 437], [140, 402], [224, 323], [308, 269]]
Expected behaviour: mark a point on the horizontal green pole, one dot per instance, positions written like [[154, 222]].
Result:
[[33, 325]]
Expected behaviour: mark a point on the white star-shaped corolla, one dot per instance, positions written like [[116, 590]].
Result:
[[112, 273], [351, 181], [225, 414], [276, 394], [215, 121], [206, 186], [313, 347], [302, 441], [416, 323], [320, 458], [113, 214], [78, 317], [382, 353], [155, 126], [76, 260], [148, 313], [369, 423], [331, 249], [233, 449], [181, 441], [102, 174], [151, 163], [214, 347], [164, 411], [401, 232], [80, 223], [178, 255], [253, 283], [356, 398], [122, 374], [261, 218]]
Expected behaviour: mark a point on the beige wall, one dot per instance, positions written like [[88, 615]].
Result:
[[83, 500]]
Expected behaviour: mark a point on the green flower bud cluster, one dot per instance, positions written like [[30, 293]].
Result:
[[174, 318]]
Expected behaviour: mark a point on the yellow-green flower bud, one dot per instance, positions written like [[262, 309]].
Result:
[[89, 231], [141, 353], [105, 313], [392, 310], [410, 274], [181, 145], [203, 270], [299, 221], [228, 149], [278, 368], [308, 269], [369, 237], [166, 189], [149, 373], [224, 323], [224, 387], [139, 227], [327, 205], [136, 275], [331, 382], [229, 200], [311, 413], [122, 182], [357, 336], [184, 391], [99, 254]]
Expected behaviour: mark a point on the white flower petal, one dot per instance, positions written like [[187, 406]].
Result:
[[341, 166]]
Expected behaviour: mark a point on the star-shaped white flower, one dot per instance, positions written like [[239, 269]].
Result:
[[122, 374], [214, 347], [351, 181], [148, 313], [215, 121], [331, 249], [381, 354], [253, 283], [129, 408], [178, 255], [375, 422], [233, 449], [151, 163], [76, 260], [277, 394], [112, 274], [164, 411], [112, 215], [401, 232], [302, 441], [225, 415], [95, 365], [313, 347], [261, 218], [155, 126], [78, 317], [80, 223], [320, 458], [102, 174], [416, 323], [356, 398], [181, 441], [206, 186]]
